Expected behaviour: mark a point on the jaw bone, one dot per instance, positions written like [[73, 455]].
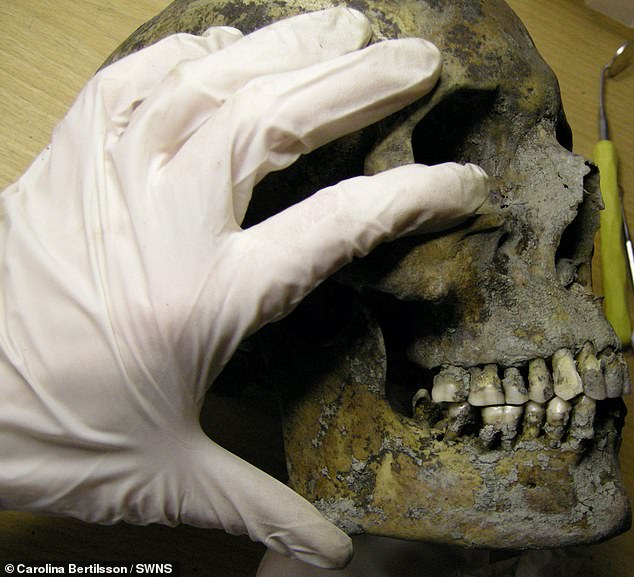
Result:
[[447, 471]]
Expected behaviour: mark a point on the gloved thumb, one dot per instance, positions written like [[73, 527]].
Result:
[[223, 491]]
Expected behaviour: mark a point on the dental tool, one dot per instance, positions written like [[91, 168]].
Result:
[[613, 224]]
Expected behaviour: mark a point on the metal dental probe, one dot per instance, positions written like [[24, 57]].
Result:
[[612, 219]]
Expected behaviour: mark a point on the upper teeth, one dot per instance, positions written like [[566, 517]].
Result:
[[567, 380], [591, 374], [596, 377], [486, 387], [617, 381], [451, 385], [515, 392], [540, 382], [551, 399]]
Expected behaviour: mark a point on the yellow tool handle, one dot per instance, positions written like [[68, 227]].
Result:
[[613, 258]]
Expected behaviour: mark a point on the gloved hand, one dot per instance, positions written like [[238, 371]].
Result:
[[128, 283]]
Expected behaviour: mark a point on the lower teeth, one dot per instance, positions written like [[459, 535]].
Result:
[[559, 407], [534, 414], [557, 421], [557, 416], [503, 421]]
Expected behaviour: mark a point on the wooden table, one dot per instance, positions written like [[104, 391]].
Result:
[[49, 48]]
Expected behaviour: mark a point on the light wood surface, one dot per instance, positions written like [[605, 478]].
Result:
[[49, 48]]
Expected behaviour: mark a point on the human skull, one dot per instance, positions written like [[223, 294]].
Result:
[[463, 387]]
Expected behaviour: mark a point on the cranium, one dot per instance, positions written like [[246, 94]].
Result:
[[462, 387]]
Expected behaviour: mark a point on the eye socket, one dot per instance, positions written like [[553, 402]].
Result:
[[448, 133]]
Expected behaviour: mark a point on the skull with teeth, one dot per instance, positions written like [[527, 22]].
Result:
[[463, 387]]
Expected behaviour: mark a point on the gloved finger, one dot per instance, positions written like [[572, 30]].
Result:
[[272, 121], [128, 81], [225, 491], [189, 96], [290, 253]]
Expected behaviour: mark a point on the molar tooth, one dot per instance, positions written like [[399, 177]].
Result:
[[617, 378], [534, 414], [451, 385], [589, 367], [490, 417], [567, 380], [486, 388], [540, 384], [515, 392], [557, 417], [458, 416], [582, 418], [503, 419]]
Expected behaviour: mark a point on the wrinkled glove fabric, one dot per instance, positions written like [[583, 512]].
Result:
[[128, 283]]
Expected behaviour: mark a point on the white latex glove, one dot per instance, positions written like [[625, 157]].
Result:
[[128, 283]]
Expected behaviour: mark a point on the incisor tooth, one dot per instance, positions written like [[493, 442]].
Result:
[[533, 418], [617, 379], [486, 388], [501, 419], [515, 392], [589, 367], [540, 384], [582, 418], [451, 385], [557, 417], [567, 380]]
